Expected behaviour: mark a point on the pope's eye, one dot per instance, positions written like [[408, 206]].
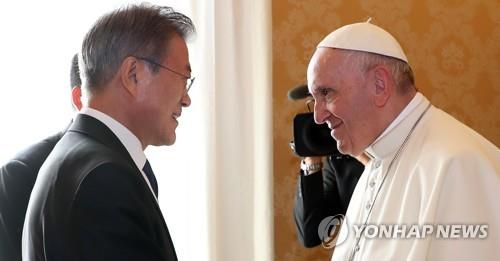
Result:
[[324, 91]]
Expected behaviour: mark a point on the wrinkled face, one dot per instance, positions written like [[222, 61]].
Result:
[[163, 95], [342, 100]]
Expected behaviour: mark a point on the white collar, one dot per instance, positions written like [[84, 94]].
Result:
[[126, 137], [393, 136]]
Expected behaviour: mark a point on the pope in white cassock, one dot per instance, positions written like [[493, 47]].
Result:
[[426, 168]]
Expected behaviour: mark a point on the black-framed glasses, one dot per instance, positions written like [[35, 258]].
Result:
[[189, 80]]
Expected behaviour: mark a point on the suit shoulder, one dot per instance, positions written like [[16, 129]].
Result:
[[22, 169], [75, 158], [33, 156], [112, 173], [111, 182], [16, 173]]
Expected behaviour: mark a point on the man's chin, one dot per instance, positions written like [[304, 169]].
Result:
[[170, 140], [340, 147], [343, 148], [167, 140]]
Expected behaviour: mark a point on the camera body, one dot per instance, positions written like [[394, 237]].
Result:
[[311, 139]]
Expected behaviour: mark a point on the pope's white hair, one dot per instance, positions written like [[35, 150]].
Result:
[[365, 61]]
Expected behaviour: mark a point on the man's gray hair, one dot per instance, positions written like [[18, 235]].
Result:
[[142, 30]]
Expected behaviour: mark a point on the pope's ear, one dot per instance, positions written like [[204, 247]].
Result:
[[129, 74], [383, 84]]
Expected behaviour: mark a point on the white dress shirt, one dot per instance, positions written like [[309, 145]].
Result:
[[126, 137]]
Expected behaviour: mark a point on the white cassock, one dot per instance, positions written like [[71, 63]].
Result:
[[445, 174]]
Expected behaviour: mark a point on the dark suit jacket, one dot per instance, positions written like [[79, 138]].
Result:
[[90, 202], [320, 195], [17, 178]]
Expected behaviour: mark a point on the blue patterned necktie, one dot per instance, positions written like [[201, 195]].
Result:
[[151, 177]]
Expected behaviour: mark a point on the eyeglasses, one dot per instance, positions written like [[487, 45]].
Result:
[[189, 80]]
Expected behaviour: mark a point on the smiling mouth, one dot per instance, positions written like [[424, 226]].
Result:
[[335, 126], [175, 116]]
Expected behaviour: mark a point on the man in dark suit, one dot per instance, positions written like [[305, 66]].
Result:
[[323, 192], [96, 196], [17, 178]]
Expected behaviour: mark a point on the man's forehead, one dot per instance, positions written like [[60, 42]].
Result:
[[178, 53], [325, 63], [326, 58]]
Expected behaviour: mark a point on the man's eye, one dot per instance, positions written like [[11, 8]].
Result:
[[324, 92]]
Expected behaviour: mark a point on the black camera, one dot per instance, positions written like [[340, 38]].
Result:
[[309, 138]]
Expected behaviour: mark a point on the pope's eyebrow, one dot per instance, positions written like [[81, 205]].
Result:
[[322, 88]]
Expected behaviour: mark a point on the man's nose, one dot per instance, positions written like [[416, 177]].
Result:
[[320, 113], [186, 100]]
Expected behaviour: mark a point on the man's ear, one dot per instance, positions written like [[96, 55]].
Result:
[[129, 75], [76, 97], [383, 85]]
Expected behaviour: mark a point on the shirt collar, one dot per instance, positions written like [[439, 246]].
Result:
[[393, 136], [126, 137]]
